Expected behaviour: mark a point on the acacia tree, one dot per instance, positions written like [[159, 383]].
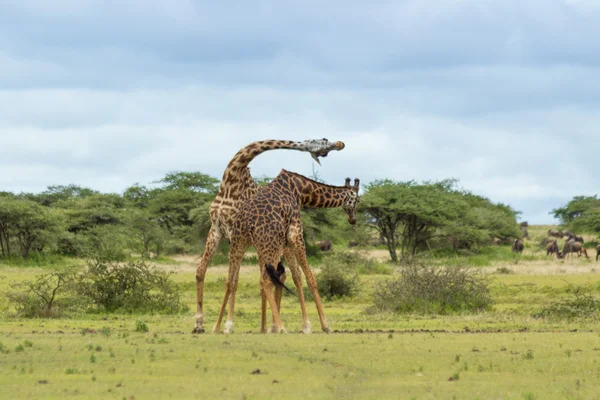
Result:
[[27, 224], [582, 213], [7, 222], [414, 213], [147, 232], [190, 181]]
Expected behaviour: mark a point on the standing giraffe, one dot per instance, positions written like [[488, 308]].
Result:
[[237, 185], [270, 221]]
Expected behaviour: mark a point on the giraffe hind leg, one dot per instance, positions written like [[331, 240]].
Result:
[[212, 242], [236, 254], [267, 286]]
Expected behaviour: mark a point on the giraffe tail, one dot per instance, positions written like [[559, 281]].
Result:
[[274, 276]]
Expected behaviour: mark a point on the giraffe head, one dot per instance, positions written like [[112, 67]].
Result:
[[320, 148], [351, 199]]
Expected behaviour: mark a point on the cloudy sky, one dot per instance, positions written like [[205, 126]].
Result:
[[502, 94]]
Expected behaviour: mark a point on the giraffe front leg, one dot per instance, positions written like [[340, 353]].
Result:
[[267, 286], [297, 278], [212, 242], [278, 293], [297, 243], [263, 309]]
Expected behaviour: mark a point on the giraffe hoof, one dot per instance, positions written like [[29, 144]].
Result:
[[306, 328], [326, 329], [198, 329]]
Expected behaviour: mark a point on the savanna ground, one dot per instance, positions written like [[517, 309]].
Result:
[[503, 353]]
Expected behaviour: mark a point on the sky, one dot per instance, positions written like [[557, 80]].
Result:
[[503, 95]]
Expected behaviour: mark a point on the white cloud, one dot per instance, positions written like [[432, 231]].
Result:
[[502, 95]]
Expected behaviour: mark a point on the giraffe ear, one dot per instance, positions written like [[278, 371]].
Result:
[[347, 182], [356, 184]]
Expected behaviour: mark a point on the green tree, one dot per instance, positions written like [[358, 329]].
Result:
[[138, 195], [190, 181], [28, 224], [413, 214], [59, 193], [147, 234], [407, 211], [582, 213], [93, 211]]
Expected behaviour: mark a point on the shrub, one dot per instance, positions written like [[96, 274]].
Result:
[[580, 305], [337, 279], [130, 287], [140, 326], [433, 290], [358, 260], [49, 295]]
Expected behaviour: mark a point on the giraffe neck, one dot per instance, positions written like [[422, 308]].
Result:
[[311, 193], [237, 181]]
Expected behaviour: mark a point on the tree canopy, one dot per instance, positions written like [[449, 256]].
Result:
[[171, 216]]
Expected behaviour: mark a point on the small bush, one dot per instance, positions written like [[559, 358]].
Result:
[[433, 290], [358, 260], [130, 287], [49, 295], [337, 280], [580, 305], [140, 326]]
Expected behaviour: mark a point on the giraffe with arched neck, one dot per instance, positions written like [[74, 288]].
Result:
[[238, 185], [270, 221]]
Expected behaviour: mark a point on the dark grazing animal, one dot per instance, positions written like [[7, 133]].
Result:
[[518, 246], [556, 234], [324, 245], [552, 248], [597, 252], [573, 247], [573, 237]]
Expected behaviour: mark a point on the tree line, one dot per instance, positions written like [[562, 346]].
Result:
[[171, 217], [580, 214]]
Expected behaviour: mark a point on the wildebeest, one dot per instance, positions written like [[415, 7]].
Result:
[[324, 245], [597, 252], [573, 237], [552, 248], [573, 247], [518, 246], [556, 234]]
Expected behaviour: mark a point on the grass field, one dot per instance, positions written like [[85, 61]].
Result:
[[504, 353]]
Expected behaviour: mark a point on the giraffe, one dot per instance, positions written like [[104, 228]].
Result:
[[237, 185], [270, 221]]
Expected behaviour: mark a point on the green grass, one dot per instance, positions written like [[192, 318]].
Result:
[[503, 353], [377, 365], [39, 260]]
